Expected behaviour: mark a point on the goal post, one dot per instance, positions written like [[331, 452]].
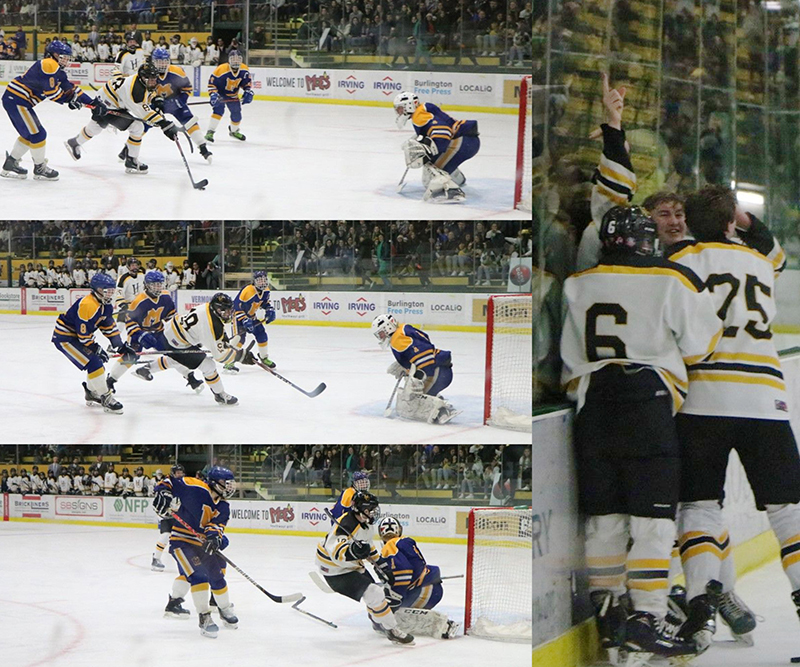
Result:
[[499, 601], [523, 179], [508, 387]]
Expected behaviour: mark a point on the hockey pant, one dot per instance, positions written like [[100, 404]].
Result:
[[459, 150], [85, 357], [644, 568], [134, 127], [187, 362], [217, 112], [181, 112], [32, 136], [260, 333], [202, 572]]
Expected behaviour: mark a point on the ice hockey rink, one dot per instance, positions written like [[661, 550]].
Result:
[[43, 401], [300, 161], [85, 595]]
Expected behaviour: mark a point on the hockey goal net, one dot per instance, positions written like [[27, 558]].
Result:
[[499, 574], [508, 392], [523, 182]]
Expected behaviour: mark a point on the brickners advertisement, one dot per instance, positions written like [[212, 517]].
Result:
[[31, 507]]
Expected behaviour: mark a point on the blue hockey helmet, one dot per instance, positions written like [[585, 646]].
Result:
[[360, 481], [235, 60], [221, 481], [60, 52], [153, 283], [160, 58], [103, 287], [260, 280], [389, 527]]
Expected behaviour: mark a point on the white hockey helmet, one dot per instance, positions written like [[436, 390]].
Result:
[[383, 326], [405, 104]]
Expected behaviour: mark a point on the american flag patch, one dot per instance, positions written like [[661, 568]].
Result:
[[781, 405]]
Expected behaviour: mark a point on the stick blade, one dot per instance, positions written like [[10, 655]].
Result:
[[320, 388], [201, 185], [294, 597]]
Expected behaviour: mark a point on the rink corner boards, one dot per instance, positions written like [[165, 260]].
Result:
[[578, 647]]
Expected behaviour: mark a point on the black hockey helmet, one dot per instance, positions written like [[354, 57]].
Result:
[[367, 504], [222, 306], [628, 229], [133, 264], [177, 468], [148, 74]]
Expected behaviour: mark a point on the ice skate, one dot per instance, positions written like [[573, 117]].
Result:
[[225, 399], [143, 373], [123, 154], [446, 414], [175, 610], [452, 630], [228, 617], [230, 368], [738, 617], [210, 136], [111, 384], [41, 172], [89, 396], [156, 565], [207, 627], [73, 148], [236, 134], [397, 636], [133, 166], [111, 404], [205, 153], [194, 383], [268, 362], [11, 169], [701, 623], [377, 627], [644, 640], [448, 196], [610, 616]]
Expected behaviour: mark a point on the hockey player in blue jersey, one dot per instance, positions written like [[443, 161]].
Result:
[[440, 146], [223, 91], [171, 94], [44, 80], [416, 585], [427, 370], [204, 507], [360, 482], [250, 299], [146, 315], [74, 338]]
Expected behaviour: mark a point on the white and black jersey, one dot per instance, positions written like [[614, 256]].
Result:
[[743, 377], [64, 483], [129, 63], [110, 482], [200, 327], [638, 311], [140, 485], [333, 554], [128, 288]]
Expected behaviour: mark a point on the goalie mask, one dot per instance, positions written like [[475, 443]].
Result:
[[389, 527], [628, 229], [360, 481], [405, 104], [222, 481], [222, 306], [103, 287], [153, 283], [383, 327]]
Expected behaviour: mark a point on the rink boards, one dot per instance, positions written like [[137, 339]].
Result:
[[562, 633]]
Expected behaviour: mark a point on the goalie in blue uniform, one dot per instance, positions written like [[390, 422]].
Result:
[[74, 338], [204, 507], [426, 369], [440, 146], [416, 586]]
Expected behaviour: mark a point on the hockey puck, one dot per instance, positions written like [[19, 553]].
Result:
[[796, 660]]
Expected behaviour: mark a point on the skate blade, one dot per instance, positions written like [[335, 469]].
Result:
[[13, 174], [177, 617]]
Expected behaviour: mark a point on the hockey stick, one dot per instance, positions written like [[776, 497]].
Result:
[[275, 598], [296, 606], [454, 576], [194, 104], [402, 182], [311, 394], [320, 582], [387, 412], [200, 185]]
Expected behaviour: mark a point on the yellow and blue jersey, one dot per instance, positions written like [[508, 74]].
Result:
[[344, 503], [413, 346], [44, 80], [197, 509], [248, 301], [85, 317], [408, 566], [146, 314], [173, 84], [227, 84], [430, 121]]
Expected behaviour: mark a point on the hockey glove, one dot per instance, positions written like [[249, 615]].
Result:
[[246, 357], [99, 108], [248, 324], [100, 352], [392, 597], [74, 101], [383, 569], [269, 314], [149, 341], [213, 543], [396, 370], [170, 131], [157, 103], [128, 354], [213, 98], [162, 503], [430, 149], [358, 550], [247, 97]]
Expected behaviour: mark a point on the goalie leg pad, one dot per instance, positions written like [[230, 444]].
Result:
[[412, 404], [440, 187], [425, 622]]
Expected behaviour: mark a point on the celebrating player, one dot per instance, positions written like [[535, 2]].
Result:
[[223, 91], [417, 584], [128, 99], [360, 482], [165, 526], [250, 299], [201, 329], [45, 79], [341, 556], [74, 337], [427, 370], [204, 507], [628, 382], [440, 146]]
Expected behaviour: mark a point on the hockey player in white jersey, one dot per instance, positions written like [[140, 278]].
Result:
[[129, 285], [198, 334], [737, 400], [128, 99], [341, 560], [624, 363], [131, 58]]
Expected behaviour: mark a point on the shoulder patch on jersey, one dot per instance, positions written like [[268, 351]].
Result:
[[137, 300], [399, 340], [390, 548], [88, 307], [49, 66], [421, 116], [221, 69], [247, 293], [176, 69]]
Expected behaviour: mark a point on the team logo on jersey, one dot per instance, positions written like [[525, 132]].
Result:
[[781, 405]]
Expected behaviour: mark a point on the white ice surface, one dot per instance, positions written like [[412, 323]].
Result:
[[42, 401], [300, 161], [85, 596]]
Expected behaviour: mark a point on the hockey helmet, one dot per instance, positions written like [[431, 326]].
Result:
[[177, 470], [222, 481], [383, 326], [103, 287], [222, 306], [235, 60], [133, 264], [367, 505], [628, 229], [148, 74], [405, 104], [160, 58], [260, 280], [131, 42], [360, 481], [153, 283], [60, 52], [389, 527]]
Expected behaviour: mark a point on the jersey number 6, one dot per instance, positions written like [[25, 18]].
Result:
[[595, 341]]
